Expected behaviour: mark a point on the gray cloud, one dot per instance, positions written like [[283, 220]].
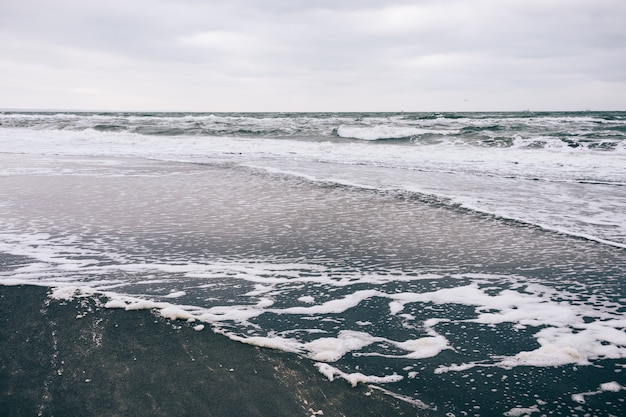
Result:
[[323, 55]]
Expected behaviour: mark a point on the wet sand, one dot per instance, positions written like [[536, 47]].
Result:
[[74, 358]]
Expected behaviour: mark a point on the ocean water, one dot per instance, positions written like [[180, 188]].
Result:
[[473, 264]]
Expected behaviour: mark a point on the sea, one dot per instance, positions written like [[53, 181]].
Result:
[[473, 264]]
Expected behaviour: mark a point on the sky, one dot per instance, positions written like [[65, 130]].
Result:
[[299, 55]]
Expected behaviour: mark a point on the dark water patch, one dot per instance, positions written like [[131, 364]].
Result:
[[603, 146], [162, 131], [489, 128], [75, 358], [9, 261], [110, 128], [497, 142]]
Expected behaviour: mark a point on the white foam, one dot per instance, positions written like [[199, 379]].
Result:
[[116, 301], [70, 292], [522, 411], [175, 313], [378, 132], [566, 335], [331, 349], [115, 304], [332, 306], [272, 342], [546, 355], [238, 314], [144, 305], [455, 368], [265, 302], [611, 387], [175, 294], [425, 347], [605, 387], [395, 307], [354, 379]]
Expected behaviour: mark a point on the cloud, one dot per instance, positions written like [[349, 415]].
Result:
[[222, 40], [322, 55]]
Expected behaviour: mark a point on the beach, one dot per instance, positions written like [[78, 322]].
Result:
[[282, 273]]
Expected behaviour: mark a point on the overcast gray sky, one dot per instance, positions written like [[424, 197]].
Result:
[[298, 55]]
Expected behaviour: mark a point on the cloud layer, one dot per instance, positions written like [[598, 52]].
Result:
[[279, 55]]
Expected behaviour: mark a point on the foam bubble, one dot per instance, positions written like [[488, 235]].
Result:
[[611, 387]]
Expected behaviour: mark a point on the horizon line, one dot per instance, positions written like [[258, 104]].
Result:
[[57, 110]]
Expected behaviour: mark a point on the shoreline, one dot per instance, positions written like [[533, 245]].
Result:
[[77, 358], [452, 312]]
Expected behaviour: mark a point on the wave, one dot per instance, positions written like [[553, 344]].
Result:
[[525, 203], [596, 132], [385, 132], [537, 158], [556, 171]]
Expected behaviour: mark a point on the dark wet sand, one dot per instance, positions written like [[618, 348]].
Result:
[[112, 362]]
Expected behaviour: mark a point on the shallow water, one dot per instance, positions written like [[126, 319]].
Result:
[[463, 312], [560, 171]]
